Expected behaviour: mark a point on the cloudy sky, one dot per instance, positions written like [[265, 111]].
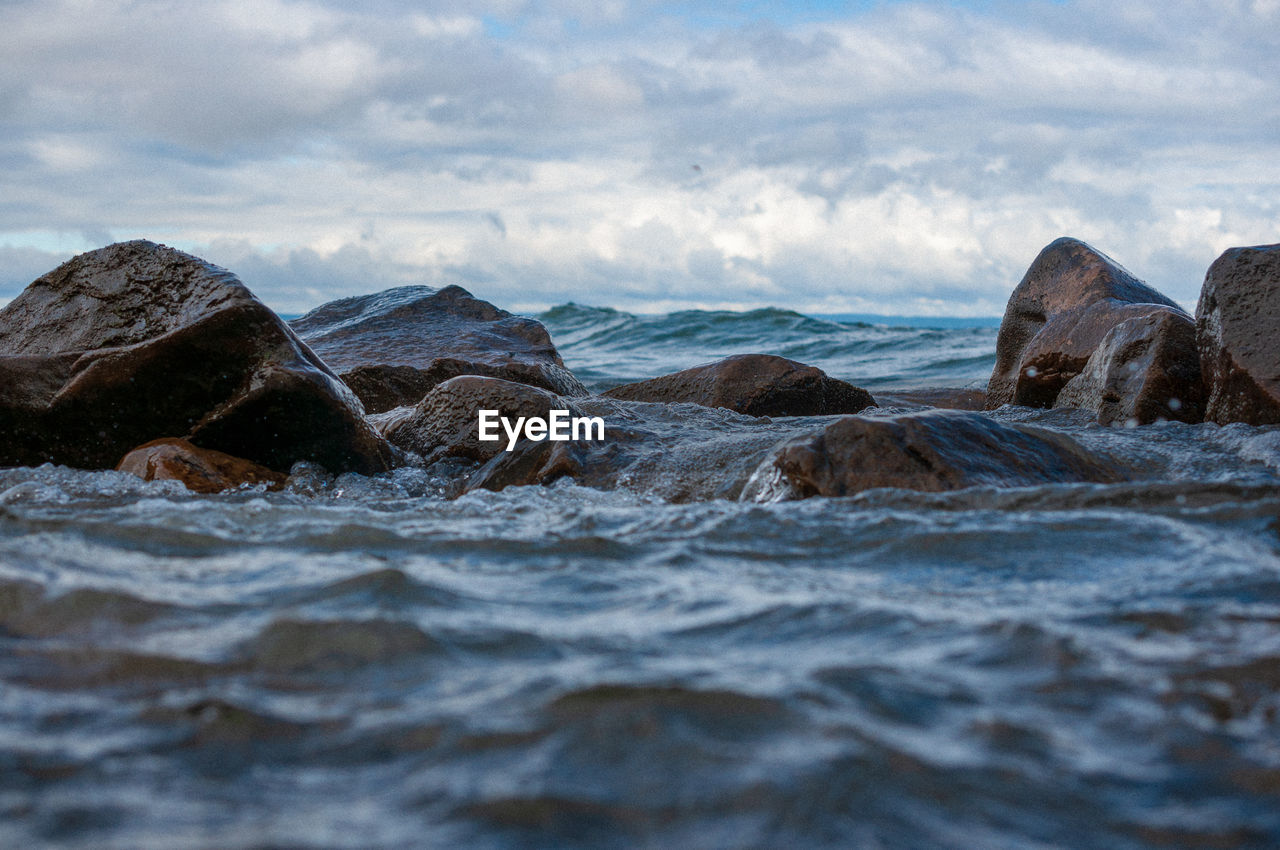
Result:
[[888, 157]]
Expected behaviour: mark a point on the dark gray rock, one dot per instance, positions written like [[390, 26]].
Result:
[[1238, 334], [392, 347], [137, 341]]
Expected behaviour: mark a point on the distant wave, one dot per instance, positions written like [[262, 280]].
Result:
[[606, 347]]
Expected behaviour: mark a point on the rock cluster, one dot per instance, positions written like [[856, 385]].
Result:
[[143, 358], [136, 342], [1062, 321], [1082, 332]]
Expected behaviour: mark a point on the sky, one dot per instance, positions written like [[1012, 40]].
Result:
[[902, 158]]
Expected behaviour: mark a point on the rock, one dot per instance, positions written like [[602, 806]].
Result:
[[394, 346], [930, 451], [1145, 369], [1070, 298], [675, 452], [445, 423], [1238, 334], [201, 470], [137, 341], [946, 398], [754, 384]]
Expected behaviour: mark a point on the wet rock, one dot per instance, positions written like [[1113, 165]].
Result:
[[929, 451], [137, 341], [1238, 334], [676, 452], [945, 398], [1068, 301], [754, 384], [1145, 369], [394, 346], [201, 470], [446, 422]]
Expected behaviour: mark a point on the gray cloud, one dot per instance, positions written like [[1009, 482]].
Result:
[[907, 158]]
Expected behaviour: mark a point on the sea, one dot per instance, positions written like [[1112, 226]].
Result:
[[365, 662]]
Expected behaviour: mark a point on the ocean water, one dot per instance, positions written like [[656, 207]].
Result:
[[362, 663]]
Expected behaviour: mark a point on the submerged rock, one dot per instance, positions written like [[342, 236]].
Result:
[[1069, 300], [754, 384], [679, 452], [138, 341], [1145, 369], [201, 470], [1238, 334], [930, 451], [392, 347]]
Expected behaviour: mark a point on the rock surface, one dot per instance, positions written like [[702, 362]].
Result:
[[137, 341], [945, 398], [446, 422], [392, 347], [929, 451], [753, 384], [1238, 334], [1068, 301], [676, 452], [1145, 369], [201, 470]]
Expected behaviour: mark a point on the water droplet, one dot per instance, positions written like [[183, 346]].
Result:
[[1032, 371], [1132, 422], [1175, 404]]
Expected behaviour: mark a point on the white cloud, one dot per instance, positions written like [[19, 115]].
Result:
[[910, 157]]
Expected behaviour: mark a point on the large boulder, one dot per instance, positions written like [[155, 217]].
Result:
[[1144, 370], [1238, 334], [929, 451], [1068, 301], [392, 347], [200, 470], [754, 384], [138, 341]]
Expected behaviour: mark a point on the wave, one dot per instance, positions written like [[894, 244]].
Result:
[[606, 347]]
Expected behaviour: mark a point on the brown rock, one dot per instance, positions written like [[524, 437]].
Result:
[[137, 341], [1238, 334], [946, 398], [446, 422], [1145, 369], [394, 346], [678, 453], [754, 384], [1070, 298], [201, 470], [930, 451]]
